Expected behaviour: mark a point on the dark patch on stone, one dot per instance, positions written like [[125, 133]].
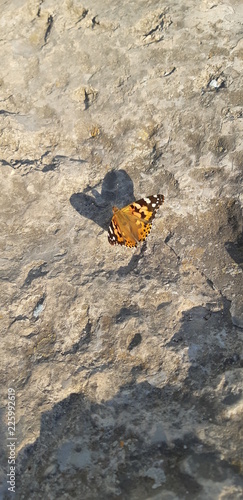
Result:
[[231, 399], [50, 167], [137, 339], [126, 312], [33, 274], [49, 27], [19, 318], [235, 250], [167, 239], [84, 340], [163, 304]]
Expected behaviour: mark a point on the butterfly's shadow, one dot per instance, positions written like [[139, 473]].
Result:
[[117, 189]]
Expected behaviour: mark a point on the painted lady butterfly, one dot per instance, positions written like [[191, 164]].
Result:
[[133, 223]]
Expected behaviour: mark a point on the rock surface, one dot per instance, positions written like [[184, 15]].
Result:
[[126, 364]]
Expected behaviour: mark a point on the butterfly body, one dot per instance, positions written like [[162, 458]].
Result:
[[133, 223]]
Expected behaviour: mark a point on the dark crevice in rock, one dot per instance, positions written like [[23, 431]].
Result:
[[137, 339], [235, 250], [83, 341], [5, 112], [51, 166], [127, 312], [36, 272], [131, 267], [19, 318], [49, 27], [94, 22]]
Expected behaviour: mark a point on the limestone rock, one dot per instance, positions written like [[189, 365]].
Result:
[[126, 364]]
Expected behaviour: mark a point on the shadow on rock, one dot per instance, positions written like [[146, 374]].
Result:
[[212, 345], [168, 440], [117, 189], [125, 448], [235, 250]]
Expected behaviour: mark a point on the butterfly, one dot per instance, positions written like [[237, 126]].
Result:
[[133, 223]]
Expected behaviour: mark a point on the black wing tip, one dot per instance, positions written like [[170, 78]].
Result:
[[160, 198]]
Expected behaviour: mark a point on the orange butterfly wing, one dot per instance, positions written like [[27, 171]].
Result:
[[133, 223]]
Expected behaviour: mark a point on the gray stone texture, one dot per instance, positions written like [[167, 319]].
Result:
[[126, 363]]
